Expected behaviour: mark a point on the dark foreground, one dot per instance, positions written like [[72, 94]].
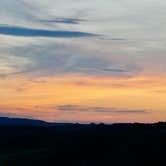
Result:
[[36, 143]]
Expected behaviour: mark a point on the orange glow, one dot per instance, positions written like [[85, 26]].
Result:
[[39, 97]]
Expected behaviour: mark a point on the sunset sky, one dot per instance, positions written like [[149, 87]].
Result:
[[83, 61]]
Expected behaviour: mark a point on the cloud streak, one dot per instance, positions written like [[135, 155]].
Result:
[[64, 20], [75, 108], [29, 32]]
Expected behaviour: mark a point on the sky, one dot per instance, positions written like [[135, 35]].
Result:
[[83, 61]]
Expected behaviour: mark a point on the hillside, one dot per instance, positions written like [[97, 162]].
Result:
[[32, 142]]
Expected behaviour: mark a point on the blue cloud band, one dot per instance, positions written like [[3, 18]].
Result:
[[29, 32]]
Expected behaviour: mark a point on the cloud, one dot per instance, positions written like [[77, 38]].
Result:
[[75, 108], [12, 65], [3, 75], [47, 58], [63, 20], [29, 32], [116, 70], [129, 42]]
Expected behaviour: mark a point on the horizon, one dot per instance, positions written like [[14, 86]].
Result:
[[75, 123], [83, 62]]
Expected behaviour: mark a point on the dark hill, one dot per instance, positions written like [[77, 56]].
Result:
[[32, 142], [20, 122]]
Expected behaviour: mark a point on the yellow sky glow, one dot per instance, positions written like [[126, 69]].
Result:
[[40, 97]]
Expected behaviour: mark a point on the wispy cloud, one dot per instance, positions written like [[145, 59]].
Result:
[[53, 58], [29, 32], [114, 70], [74, 108], [64, 20]]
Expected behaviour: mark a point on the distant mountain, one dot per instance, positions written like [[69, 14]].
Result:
[[5, 121]]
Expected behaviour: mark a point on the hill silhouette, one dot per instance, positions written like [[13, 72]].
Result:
[[32, 142]]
